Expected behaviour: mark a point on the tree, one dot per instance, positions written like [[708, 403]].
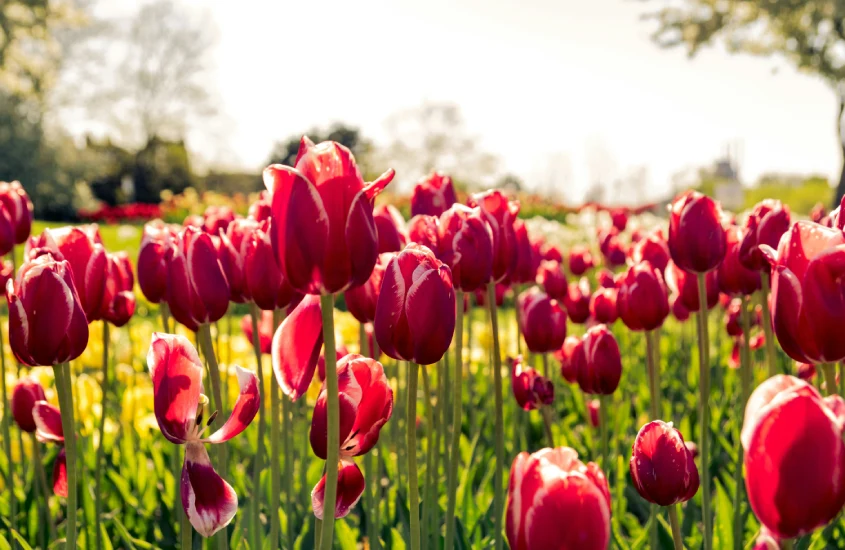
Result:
[[809, 34], [284, 152]]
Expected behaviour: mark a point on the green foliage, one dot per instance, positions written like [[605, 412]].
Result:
[[161, 165], [800, 196]]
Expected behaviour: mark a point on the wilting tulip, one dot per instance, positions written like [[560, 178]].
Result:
[[696, 238], [603, 305], [794, 456], [543, 321], [807, 300], [197, 290], [594, 410], [361, 300], [580, 260], [466, 246], [25, 394], [530, 389], [685, 286], [217, 219], [415, 313], [527, 258], [652, 249], [662, 468], [390, 227], [568, 368], [324, 233], [264, 281], [733, 277], [500, 214], [47, 325], [551, 277], [296, 346], [611, 248], [555, 501], [432, 195], [156, 250], [265, 330], [180, 409], [577, 301], [766, 224], [17, 206], [261, 209], [119, 298], [642, 301], [597, 362], [424, 230], [233, 248]]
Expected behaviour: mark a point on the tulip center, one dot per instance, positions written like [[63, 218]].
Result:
[[196, 431]]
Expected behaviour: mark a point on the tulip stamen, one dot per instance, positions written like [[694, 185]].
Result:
[[211, 418]]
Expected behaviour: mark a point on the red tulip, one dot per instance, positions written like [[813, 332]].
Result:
[[580, 260], [424, 230], [321, 360], [500, 215], [119, 297], [296, 346], [597, 362], [603, 305], [233, 249], [594, 408], [466, 246], [527, 260], [47, 324], [25, 394], [156, 250], [18, 208], [685, 286], [805, 371], [552, 253], [197, 290], [733, 277], [265, 330], [361, 300], [543, 321], [732, 317], [264, 281], [577, 301], [611, 248], [433, 195], [530, 389], [605, 278], [818, 213], [642, 302], [481, 295], [350, 487], [766, 224], [48, 423], [794, 456], [696, 238], [217, 219], [619, 218], [324, 233], [808, 292], [415, 313], [552, 278], [7, 272], [662, 468], [679, 310], [194, 220], [262, 209], [556, 502], [390, 227], [60, 474], [568, 367], [209, 502], [652, 249]]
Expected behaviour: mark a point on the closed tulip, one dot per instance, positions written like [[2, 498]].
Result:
[[794, 456], [16, 204], [390, 227], [580, 260], [612, 248], [424, 230], [324, 233], [603, 305], [652, 249], [642, 302], [679, 310], [551, 277], [265, 283], [568, 367], [594, 410], [543, 321], [662, 468], [156, 250], [466, 246], [262, 208], [528, 261], [597, 362], [551, 253], [233, 248], [577, 301], [733, 277], [619, 218], [119, 297], [556, 502], [197, 290], [432, 195], [605, 278], [530, 389], [25, 394], [808, 292], [684, 285], [47, 325], [500, 214], [361, 300], [697, 240], [766, 224], [415, 313]]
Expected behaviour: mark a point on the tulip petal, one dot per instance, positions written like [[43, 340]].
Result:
[[296, 347], [207, 277], [430, 310], [361, 239], [786, 301], [375, 405], [48, 422], [60, 474], [350, 487], [209, 502], [245, 409], [349, 396], [176, 373]]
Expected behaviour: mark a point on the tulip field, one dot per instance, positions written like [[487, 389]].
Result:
[[465, 378]]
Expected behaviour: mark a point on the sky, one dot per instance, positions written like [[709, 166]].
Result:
[[559, 89]]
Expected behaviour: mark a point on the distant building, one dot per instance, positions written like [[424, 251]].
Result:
[[728, 188]]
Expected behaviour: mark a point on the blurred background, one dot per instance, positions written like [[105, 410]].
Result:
[[123, 110]]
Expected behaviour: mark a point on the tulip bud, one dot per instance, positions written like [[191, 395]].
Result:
[[662, 468], [733, 277], [597, 362], [18, 208], [557, 501], [605, 279], [594, 408], [390, 227], [361, 300], [685, 285], [432, 195], [696, 238], [264, 281], [527, 260], [580, 260], [603, 305], [577, 301], [652, 249], [766, 224], [611, 248], [642, 301], [466, 246], [119, 297], [530, 389], [233, 249], [156, 250], [679, 310], [619, 218], [47, 325], [552, 253], [551, 277], [543, 321], [415, 315], [500, 214], [25, 394]]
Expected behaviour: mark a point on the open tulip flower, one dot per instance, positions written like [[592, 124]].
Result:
[[390, 227], [556, 502], [662, 468], [156, 249], [366, 404], [433, 195], [543, 321], [794, 456], [324, 233], [530, 389], [209, 502], [697, 241]]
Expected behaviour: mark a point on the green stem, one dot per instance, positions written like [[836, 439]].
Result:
[[676, 528], [42, 481], [333, 422], [413, 480], [546, 412], [369, 469], [842, 378], [64, 388], [704, 409], [164, 309], [287, 453], [547, 372], [430, 430], [786, 544], [498, 478], [745, 385], [275, 450], [653, 373], [455, 450], [516, 293], [7, 441], [829, 371], [258, 494], [603, 433], [101, 448], [186, 530], [771, 354]]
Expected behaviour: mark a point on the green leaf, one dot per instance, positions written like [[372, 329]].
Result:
[[723, 536]]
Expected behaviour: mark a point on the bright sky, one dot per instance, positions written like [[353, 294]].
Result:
[[536, 79]]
